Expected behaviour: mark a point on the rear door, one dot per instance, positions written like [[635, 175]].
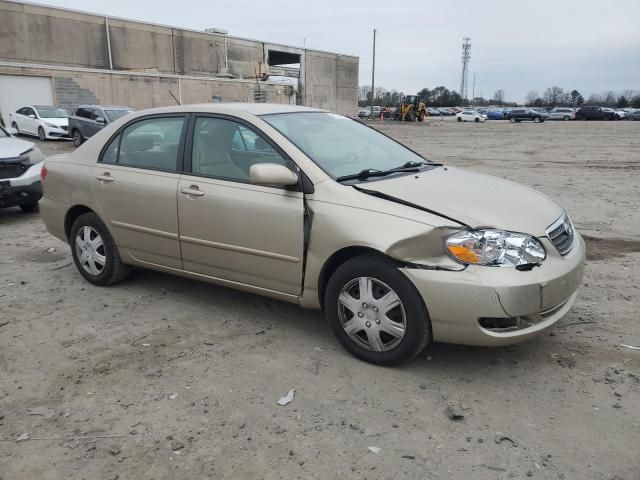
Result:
[[231, 229], [135, 185]]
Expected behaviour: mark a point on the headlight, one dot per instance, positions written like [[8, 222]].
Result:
[[494, 248], [34, 155]]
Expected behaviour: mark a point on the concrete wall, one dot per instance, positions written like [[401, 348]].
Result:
[[74, 87], [54, 36]]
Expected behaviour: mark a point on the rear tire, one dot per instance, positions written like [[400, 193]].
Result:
[[512, 120], [406, 315], [566, 118], [477, 120], [29, 207], [459, 119], [411, 116], [77, 137], [94, 252], [536, 119], [41, 135]]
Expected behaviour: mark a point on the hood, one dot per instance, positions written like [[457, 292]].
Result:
[[475, 199], [12, 147], [60, 122]]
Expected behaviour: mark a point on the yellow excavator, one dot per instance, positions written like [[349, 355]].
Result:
[[411, 108]]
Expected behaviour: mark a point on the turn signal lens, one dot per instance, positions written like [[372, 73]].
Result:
[[463, 253]]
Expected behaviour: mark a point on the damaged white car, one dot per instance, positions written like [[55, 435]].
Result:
[[20, 166]]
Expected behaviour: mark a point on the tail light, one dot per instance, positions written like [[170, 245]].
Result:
[[43, 173]]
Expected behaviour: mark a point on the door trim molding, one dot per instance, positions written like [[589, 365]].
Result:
[[151, 231], [235, 248]]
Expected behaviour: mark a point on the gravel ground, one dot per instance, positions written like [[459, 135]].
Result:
[[165, 378]]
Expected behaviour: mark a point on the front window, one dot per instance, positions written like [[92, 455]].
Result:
[[52, 112], [339, 145], [114, 115]]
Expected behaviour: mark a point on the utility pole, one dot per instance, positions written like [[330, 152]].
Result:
[[466, 57], [473, 90], [373, 73]]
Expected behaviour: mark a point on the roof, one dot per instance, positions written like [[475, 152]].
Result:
[[251, 108], [116, 107]]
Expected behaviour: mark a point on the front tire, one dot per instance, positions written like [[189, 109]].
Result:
[[477, 120], [41, 135], [536, 119], [512, 120], [14, 125], [376, 312], [94, 252], [566, 118], [77, 138], [459, 119]]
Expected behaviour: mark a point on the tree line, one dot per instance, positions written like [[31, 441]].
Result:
[[551, 97]]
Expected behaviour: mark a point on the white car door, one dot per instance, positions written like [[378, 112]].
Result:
[[20, 119], [30, 121]]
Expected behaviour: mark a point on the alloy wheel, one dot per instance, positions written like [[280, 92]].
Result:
[[372, 314], [90, 250]]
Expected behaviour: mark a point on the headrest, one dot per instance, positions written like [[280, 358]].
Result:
[[138, 142]]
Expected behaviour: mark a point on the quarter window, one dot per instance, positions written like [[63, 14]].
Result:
[[226, 149]]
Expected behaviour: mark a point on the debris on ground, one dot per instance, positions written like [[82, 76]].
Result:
[[288, 398], [4, 322], [173, 396], [46, 413], [176, 445], [114, 450], [374, 449], [23, 437], [501, 437], [629, 346], [454, 411]]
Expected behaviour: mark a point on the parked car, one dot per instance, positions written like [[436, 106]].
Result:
[[495, 115], [87, 120], [520, 114], [471, 116], [633, 115], [314, 208], [595, 113], [20, 166], [364, 112], [621, 114], [562, 113], [43, 121]]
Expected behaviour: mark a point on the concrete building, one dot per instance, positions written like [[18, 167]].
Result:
[[64, 57]]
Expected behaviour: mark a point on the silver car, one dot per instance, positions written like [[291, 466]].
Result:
[[562, 113]]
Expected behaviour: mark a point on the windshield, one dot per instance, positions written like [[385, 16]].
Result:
[[52, 112], [339, 145], [114, 115]]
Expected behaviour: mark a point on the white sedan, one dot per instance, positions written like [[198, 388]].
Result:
[[471, 116], [42, 121]]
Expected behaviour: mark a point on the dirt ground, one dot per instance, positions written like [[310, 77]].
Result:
[[165, 378]]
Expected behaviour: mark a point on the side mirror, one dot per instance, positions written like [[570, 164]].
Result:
[[99, 119], [272, 174], [31, 115]]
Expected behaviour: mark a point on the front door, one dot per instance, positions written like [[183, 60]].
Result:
[[233, 230], [135, 185]]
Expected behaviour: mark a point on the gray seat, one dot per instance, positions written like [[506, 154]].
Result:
[[211, 156]]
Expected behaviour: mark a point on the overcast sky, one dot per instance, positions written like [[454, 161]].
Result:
[[518, 46]]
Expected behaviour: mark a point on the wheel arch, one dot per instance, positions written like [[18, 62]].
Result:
[[338, 258], [72, 214]]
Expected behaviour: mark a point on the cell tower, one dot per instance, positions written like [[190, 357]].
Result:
[[466, 57]]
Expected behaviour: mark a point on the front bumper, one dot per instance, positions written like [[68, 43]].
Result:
[[56, 132], [458, 301], [23, 189]]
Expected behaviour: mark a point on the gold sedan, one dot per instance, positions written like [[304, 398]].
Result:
[[314, 208]]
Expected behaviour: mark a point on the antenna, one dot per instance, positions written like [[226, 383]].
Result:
[[466, 57]]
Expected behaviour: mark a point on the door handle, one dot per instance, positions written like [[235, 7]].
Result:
[[192, 190], [105, 177]]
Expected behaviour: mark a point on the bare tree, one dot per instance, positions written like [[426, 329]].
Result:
[[531, 97], [498, 96], [553, 95]]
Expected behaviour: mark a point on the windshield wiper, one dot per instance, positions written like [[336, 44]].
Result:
[[370, 172]]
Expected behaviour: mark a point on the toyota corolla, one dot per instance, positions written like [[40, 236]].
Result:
[[315, 208]]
